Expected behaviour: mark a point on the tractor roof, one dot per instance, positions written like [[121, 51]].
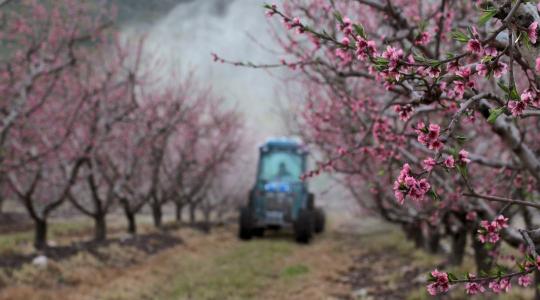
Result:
[[283, 143]]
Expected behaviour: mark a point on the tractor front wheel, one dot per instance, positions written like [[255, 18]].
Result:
[[303, 227], [245, 230]]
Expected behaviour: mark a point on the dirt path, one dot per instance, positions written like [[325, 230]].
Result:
[[349, 261]]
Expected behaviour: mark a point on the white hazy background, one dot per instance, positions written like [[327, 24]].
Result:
[[183, 40], [187, 35]]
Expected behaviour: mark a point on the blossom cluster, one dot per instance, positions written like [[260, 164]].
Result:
[[429, 136], [490, 231], [440, 284], [406, 184], [527, 98]]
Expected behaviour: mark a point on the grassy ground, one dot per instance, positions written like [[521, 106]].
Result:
[[366, 260], [17, 242]]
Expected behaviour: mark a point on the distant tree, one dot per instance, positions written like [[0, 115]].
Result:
[[41, 101]]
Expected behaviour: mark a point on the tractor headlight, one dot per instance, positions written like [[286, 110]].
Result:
[[284, 188], [270, 187]]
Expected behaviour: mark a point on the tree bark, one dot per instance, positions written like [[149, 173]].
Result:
[[192, 217], [433, 240], [414, 232], [40, 234], [179, 210], [207, 220], [132, 223], [100, 230], [459, 242], [130, 218], [157, 214]]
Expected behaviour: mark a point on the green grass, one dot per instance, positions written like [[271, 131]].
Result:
[[10, 242], [238, 273], [294, 271]]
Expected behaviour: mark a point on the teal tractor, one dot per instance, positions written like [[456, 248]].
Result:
[[279, 198]]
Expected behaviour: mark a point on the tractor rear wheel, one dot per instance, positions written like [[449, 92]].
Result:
[[320, 220], [258, 232], [303, 227], [245, 228]]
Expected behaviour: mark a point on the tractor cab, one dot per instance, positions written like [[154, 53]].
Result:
[[279, 198]]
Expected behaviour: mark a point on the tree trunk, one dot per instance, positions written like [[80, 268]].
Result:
[[481, 255], [419, 240], [192, 217], [40, 234], [132, 224], [459, 242], [100, 230], [414, 232], [130, 218], [179, 210], [433, 240], [207, 220], [157, 214]]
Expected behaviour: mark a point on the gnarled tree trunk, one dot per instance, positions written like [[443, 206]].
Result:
[[40, 234], [100, 230], [157, 214], [192, 213], [179, 208], [459, 242]]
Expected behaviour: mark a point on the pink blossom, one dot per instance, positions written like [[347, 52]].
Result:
[[516, 107], [531, 32], [498, 287], [527, 96], [449, 162], [429, 163], [429, 136], [538, 64], [489, 231], [440, 284], [345, 41], [471, 216], [463, 156], [524, 280], [436, 145], [482, 69], [453, 66], [346, 26], [464, 72], [502, 222], [499, 69], [393, 55], [406, 184], [272, 11], [474, 46], [474, 288], [434, 131], [404, 111], [490, 51], [433, 72], [423, 38]]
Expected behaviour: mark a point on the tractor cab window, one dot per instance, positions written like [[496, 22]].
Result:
[[280, 166]]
